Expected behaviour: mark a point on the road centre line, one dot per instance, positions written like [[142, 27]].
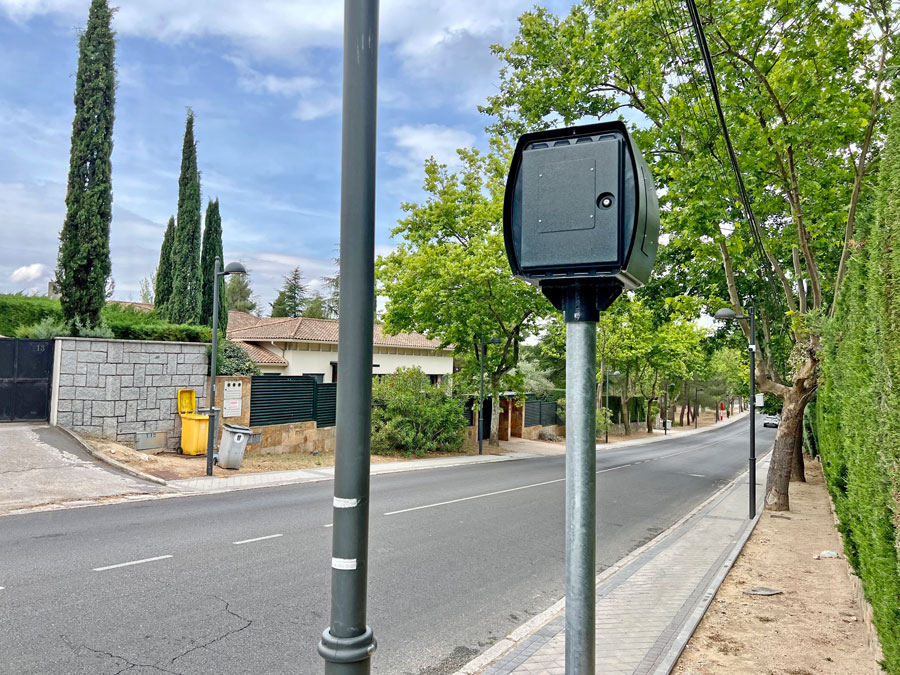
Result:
[[549, 482], [133, 562], [248, 541]]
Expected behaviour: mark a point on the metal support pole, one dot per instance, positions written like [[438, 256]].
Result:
[[696, 408], [752, 412], [581, 491], [213, 420], [481, 402], [348, 643]]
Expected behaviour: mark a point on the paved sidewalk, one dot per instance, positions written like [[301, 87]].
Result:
[[40, 465], [648, 604]]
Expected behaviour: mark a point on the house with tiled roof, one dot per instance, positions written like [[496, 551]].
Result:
[[304, 346]]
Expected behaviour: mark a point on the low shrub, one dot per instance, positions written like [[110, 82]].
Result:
[[233, 360], [47, 328], [413, 417]]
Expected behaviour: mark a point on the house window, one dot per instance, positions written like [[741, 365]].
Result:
[[334, 371], [435, 379], [318, 377]]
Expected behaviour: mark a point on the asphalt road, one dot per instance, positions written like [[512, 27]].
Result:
[[445, 579]]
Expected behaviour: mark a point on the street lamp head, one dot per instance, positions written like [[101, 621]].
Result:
[[616, 373], [234, 268], [724, 314], [494, 341]]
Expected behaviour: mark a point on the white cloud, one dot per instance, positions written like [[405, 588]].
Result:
[[416, 143], [315, 107], [31, 272], [437, 42]]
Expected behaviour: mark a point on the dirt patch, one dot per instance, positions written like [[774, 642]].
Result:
[[172, 466], [813, 627]]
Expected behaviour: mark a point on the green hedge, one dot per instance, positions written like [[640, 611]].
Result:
[[18, 313], [857, 416], [20, 310]]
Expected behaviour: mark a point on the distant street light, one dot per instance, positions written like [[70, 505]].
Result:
[[230, 268], [666, 410], [697, 407], [726, 314], [492, 341], [608, 415]]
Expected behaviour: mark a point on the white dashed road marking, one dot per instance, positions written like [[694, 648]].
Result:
[[133, 562], [248, 541]]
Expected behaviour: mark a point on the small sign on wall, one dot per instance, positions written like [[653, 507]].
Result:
[[232, 401]]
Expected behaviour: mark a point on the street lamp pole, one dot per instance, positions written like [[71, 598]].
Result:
[[697, 391], [348, 642], [481, 355], [726, 314], [231, 268], [752, 348], [481, 401], [608, 416]]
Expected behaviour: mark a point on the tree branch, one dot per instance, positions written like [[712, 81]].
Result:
[[857, 183]]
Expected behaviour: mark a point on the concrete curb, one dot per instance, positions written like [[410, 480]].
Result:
[[99, 456], [479, 663]]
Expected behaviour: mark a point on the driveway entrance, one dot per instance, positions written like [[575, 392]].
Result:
[[25, 370]]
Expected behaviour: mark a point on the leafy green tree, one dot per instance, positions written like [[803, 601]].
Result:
[[239, 295], [801, 87], [212, 248], [184, 304], [449, 278], [318, 306], [414, 417], [233, 360], [291, 300], [147, 286], [165, 271], [83, 259]]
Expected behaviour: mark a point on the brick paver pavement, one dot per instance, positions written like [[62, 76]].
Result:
[[647, 609]]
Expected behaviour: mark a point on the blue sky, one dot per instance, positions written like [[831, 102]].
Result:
[[264, 80]]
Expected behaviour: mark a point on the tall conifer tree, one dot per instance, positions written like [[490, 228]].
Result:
[[83, 259], [212, 247], [165, 270], [184, 304]]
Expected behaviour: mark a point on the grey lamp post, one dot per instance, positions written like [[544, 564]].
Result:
[[481, 354], [726, 314], [697, 391], [666, 410], [615, 374], [230, 268]]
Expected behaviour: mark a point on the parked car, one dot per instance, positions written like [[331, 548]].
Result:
[[771, 421]]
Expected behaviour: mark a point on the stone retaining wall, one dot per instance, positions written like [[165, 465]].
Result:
[[117, 388]]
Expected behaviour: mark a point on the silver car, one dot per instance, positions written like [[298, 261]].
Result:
[[771, 421]]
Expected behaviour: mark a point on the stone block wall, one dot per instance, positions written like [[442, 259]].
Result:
[[117, 388]]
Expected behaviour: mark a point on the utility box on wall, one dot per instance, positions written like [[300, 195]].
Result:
[[581, 208], [232, 398]]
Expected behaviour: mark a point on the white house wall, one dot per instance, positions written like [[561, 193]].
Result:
[[309, 358]]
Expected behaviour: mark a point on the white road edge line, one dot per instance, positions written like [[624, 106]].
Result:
[[133, 562], [248, 541]]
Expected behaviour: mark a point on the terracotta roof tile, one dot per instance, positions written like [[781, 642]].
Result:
[[261, 355], [321, 330]]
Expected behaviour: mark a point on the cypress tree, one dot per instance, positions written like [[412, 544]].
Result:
[[184, 304], [212, 247], [291, 299], [164, 271], [83, 260]]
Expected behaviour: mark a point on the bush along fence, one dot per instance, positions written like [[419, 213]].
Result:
[[856, 419]]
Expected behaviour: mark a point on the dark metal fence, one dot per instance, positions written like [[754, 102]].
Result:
[[293, 398]]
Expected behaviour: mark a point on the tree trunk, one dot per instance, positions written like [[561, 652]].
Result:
[[778, 481], [650, 418], [495, 421]]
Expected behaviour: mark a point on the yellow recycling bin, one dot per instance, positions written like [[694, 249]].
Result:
[[194, 427]]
